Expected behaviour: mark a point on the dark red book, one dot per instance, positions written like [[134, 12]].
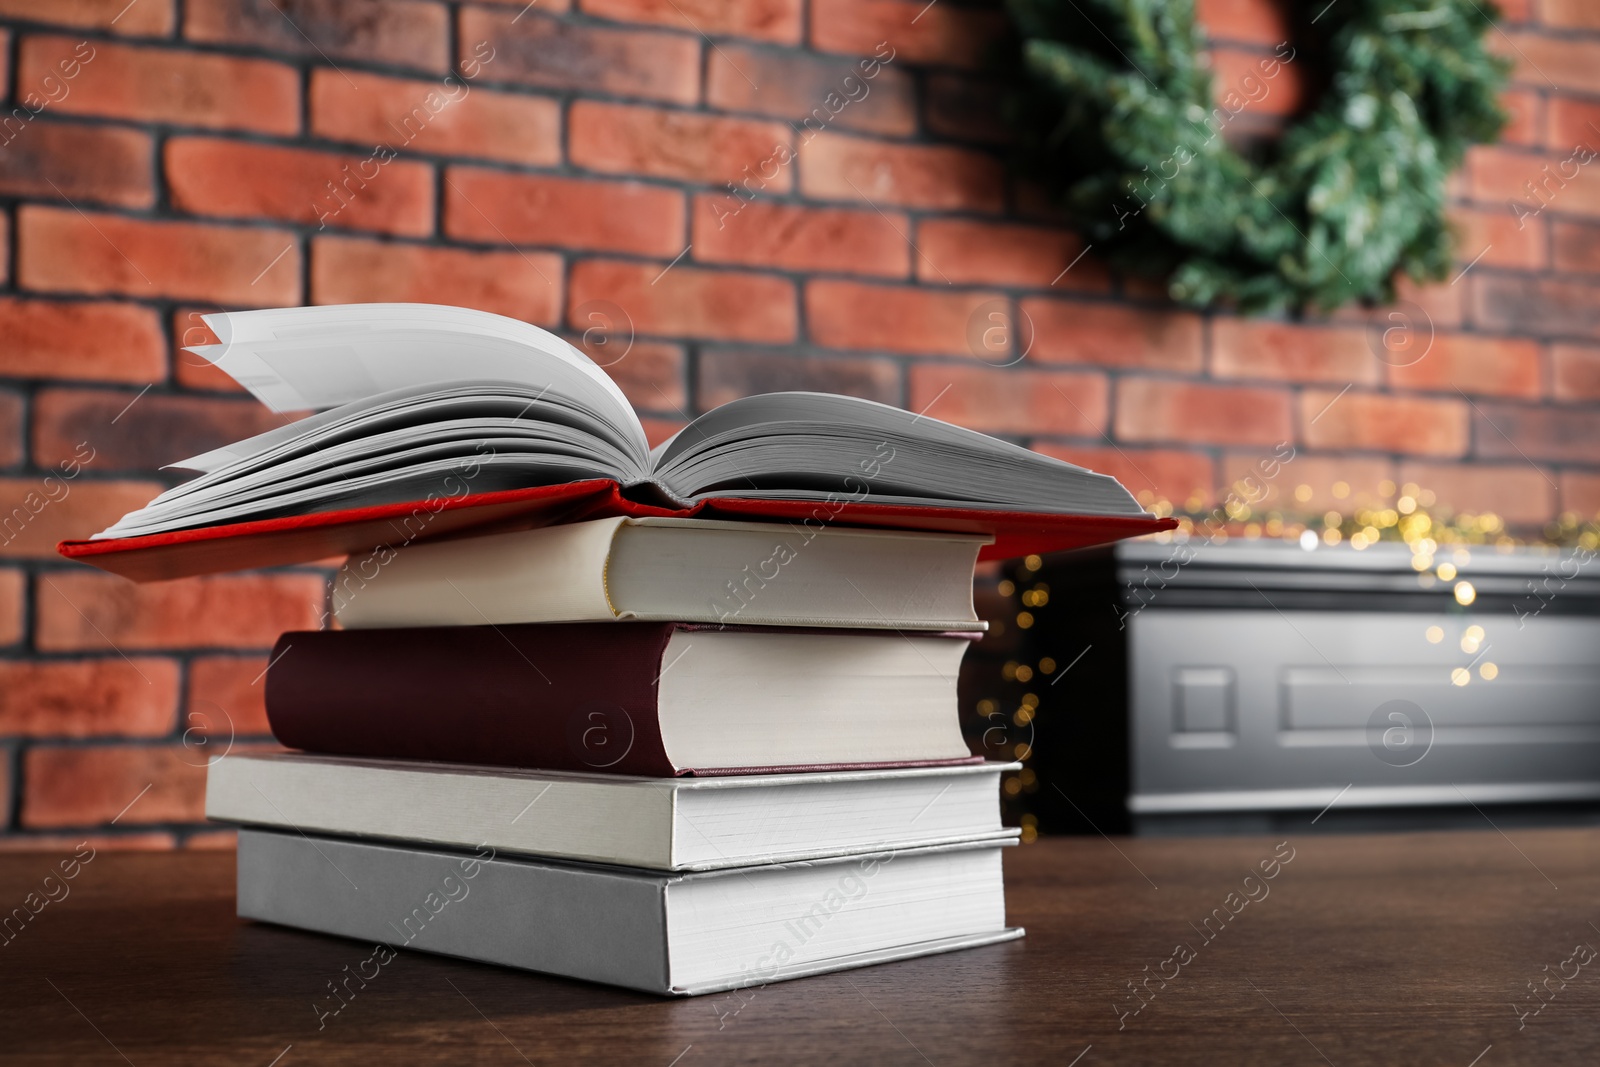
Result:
[[636, 698]]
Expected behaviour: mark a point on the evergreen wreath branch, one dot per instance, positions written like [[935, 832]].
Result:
[[1118, 121]]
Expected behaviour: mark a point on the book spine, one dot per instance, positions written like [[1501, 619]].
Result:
[[553, 574], [573, 697]]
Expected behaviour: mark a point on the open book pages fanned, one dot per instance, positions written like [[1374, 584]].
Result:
[[414, 400]]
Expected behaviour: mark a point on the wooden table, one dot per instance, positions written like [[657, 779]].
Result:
[[1406, 949]]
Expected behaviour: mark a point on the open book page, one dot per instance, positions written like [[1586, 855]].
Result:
[[808, 445], [425, 399], [398, 446], [294, 359]]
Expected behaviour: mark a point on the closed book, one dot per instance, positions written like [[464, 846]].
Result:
[[672, 934], [640, 698], [657, 823], [680, 570]]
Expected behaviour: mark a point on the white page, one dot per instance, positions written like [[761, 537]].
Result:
[[803, 446], [293, 359], [375, 414], [495, 472], [471, 440]]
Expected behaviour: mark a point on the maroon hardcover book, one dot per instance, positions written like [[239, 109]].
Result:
[[555, 696]]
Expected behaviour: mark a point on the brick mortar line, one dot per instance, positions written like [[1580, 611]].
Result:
[[60, 565], [14, 783], [576, 255], [160, 189], [183, 831], [567, 96], [454, 11], [103, 653], [804, 348], [119, 742], [20, 832], [180, 43], [162, 209], [13, 76]]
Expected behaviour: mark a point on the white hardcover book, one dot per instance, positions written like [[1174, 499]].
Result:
[[667, 824]]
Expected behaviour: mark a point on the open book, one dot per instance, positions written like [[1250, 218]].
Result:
[[422, 402]]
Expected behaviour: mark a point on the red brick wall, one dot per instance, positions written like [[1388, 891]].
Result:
[[186, 157]]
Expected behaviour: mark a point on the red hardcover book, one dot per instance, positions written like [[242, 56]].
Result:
[[635, 698], [322, 535], [437, 422]]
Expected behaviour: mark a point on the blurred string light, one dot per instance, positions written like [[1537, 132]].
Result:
[[1407, 514], [1441, 542]]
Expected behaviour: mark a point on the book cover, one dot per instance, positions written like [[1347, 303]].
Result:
[[639, 698]]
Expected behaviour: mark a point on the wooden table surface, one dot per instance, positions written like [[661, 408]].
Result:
[[1405, 949]]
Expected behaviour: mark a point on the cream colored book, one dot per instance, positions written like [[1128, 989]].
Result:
[[668, 569]]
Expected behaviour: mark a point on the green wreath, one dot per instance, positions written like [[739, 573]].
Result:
[[1119, 122]]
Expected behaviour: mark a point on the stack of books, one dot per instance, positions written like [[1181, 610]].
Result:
[[726, 791], [580, 714]]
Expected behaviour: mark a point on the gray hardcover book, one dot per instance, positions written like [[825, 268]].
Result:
[[674, 934]]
